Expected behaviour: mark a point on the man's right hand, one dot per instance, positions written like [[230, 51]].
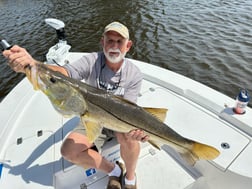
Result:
[[19, 58]]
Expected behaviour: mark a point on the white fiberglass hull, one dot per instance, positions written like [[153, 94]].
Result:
[[32, 132]]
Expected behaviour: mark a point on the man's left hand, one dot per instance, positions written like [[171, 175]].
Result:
[[138, 135]]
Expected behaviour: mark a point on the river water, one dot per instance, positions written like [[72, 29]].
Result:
[[208, 41]]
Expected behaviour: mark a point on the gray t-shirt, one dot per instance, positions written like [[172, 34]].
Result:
[[91, 67]]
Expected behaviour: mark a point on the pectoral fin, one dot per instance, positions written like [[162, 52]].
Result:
[[160, 113], [93, 129]]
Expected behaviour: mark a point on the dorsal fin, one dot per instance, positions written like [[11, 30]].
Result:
[[160, 113]]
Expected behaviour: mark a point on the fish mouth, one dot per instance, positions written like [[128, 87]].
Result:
[[38, 80], [32, 75]]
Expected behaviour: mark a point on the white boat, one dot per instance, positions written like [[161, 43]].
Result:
[[31, 133]]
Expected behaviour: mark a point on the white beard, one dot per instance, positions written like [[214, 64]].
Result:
[[114, 59]]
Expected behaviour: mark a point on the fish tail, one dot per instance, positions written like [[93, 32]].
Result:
[[200, 151], [204, 151]]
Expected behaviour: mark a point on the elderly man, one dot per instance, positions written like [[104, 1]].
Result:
[[111, 71]]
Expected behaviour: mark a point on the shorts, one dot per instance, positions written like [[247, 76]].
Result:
[[105, 136]]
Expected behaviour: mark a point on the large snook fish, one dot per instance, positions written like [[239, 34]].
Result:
[[99, 109]]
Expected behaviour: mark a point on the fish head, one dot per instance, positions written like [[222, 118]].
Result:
[[63, 93]]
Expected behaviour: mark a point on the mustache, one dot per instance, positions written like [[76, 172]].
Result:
[[114, 51]]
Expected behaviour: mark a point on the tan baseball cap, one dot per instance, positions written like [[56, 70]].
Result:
[[119, 28]]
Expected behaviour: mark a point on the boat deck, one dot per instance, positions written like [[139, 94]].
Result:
[[32, 133], [32, 158]]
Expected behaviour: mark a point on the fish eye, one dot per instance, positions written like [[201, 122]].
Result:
[[53, 80]]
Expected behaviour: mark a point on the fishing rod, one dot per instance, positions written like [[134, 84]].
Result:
[[4, 44], [56, 53]]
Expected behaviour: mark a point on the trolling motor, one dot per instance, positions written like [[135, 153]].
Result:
[[58, 52]]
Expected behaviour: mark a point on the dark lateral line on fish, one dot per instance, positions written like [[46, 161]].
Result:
[[129, 123], [171, 141]]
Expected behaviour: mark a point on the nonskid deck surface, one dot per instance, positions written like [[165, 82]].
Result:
[[154, 169]]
